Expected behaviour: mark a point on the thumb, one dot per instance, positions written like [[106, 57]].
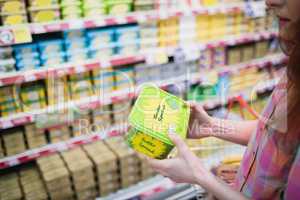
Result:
[[179, 143]]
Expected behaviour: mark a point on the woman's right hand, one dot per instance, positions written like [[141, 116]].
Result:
[[200, 123]]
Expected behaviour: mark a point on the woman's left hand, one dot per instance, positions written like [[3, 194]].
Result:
[[185, 168]]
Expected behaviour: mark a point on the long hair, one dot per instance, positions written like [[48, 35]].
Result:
[[292, 35]]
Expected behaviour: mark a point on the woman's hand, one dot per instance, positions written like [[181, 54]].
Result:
[[185, 168], [200, 123]]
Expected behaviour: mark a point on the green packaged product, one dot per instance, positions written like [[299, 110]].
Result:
[[154, 115]]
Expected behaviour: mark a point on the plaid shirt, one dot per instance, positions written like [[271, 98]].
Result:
[[271, 164]]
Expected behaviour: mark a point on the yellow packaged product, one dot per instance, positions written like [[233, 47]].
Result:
[[154, 115]]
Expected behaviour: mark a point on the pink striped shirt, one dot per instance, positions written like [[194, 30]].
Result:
[[271, 164]]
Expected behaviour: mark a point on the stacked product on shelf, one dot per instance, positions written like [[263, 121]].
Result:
[[13, 141], [101, 43], [148, 35], [27, 57], [10, 187], [93, 8], [33, 96], [51, 52], [13, 12], [102, 118], [71, 9], [81, 170], [127, 40], [144, 5], [82, 123], [35, 137], [43, 11], [105, 167], [57, 90], [80, 85], [76, 45], [114, 7], [168, 32], [56, 177], [9, 102], [124, 78], [58, 134], [32, 184], [104, 81], [121, 111], [128, 161], [7, 61]]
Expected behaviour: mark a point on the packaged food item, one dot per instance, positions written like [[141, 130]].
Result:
[[44, 14], [14, 19], [35, 137], [56, 176], [118, 6], [59, 134], [128, 161], [71, 9], [80, 85], [103, 80], [57, 90], [82, 123], [42, 3], [105, 165], [7, 65], [13, 141], [27, 56], [124, 78], [12, 6], [143, 5], [121, 111], [102, 118], [9, 102], [33, 96], [32, 184], [81, 170], [10, 187], [154, 115]]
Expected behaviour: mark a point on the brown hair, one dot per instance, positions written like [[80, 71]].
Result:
[[293, 73]]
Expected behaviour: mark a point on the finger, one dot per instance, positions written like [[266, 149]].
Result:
[[159, 165], [179, 143]]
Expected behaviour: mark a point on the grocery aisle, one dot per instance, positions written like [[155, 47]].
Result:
[[70, 71]]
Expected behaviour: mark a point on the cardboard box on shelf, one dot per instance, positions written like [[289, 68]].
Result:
[[35, 137], [59, 134], [32, 185], [10, 188], [105, 166], [56, 176], [81, 170], [14, 142]]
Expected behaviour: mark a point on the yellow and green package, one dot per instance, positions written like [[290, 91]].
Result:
[[154, 115]]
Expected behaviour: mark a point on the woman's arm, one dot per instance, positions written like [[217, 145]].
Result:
[[234, 131], [220, 190], [202, 125], [186, 167]]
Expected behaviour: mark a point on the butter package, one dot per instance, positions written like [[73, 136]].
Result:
[[33, 96], [14, 19], [118, 6], [12, 7], [154, 115], [44, 14]]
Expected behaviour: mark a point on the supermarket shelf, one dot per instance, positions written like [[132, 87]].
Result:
[[8, 34], [64, 69], [71, 68], [143, 189], [116, 130], [47, 150], [117, 96]]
